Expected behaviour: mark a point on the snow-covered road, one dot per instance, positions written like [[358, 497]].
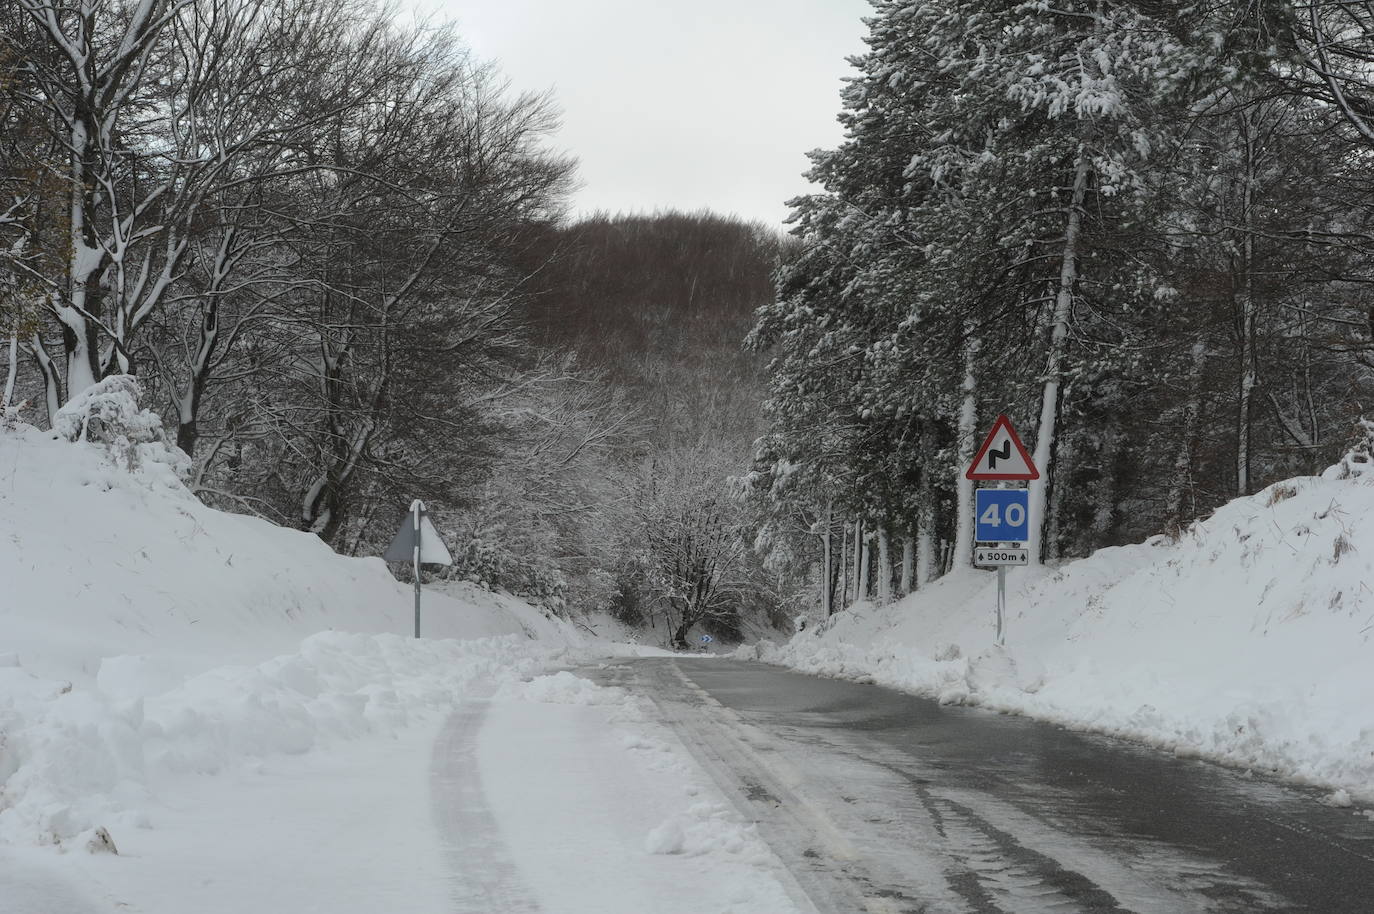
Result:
[[563, 797], [881, 802]]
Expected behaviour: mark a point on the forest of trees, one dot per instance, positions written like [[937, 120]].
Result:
[[1140, 230], [655, 309], [299, 224], [333, 250]]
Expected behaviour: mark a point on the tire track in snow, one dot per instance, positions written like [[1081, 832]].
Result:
[[1138, 874], [866, 827], [29, 884], [811, 837], [1008, 859], [485, 876]]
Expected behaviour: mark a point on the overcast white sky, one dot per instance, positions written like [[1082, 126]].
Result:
[[684, 104]]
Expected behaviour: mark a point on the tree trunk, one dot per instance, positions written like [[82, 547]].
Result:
[[1054, 371], [1248, 367], [843, 589], [861, 562], [968, 443], [925, 514], [52, 383], [680, 634], [85, 261], [926, 548], [1105, 515], [188, 406], [1054, 536], [827, 598], [1180, 490], [884, 567], [908, 565], [13, 371]]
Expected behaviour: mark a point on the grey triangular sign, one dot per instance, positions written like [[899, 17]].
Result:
[[432, 548], [402, 548]]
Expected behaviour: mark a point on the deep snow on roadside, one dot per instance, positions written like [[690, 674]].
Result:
[[100, 562], [1247, 640], [144, 635], [238, 710], [243, 715]]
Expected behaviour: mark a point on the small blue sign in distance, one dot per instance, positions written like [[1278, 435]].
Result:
[[1001, 516], [706, 639]]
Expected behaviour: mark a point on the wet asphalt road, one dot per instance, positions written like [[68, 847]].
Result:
[[884, 802]]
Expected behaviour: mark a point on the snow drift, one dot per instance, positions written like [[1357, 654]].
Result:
[[145, 636], [1246, 640]]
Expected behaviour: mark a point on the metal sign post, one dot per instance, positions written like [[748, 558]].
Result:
[[1001, 515], [415, 514], [419, 543], [1001, 604]]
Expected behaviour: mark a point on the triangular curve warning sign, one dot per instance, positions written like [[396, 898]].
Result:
[[1002, 456], [432, 548]]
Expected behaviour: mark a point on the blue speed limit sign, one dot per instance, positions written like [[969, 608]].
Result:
[[1002, 515]]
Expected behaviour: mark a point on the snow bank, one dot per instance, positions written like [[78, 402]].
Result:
[[80, 759], [102, 561], [1247, 640], [144, 636]]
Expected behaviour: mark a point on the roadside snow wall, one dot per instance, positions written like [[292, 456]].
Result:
[[103, 561], [1248, 640], [144, 636]]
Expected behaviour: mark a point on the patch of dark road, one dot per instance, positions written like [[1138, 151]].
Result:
[[879, 801]]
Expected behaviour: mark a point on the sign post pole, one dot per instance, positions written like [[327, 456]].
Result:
[[415, 513], [1001, 514], [1001, 604], [417, 542]]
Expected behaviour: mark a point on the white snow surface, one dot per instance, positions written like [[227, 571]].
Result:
[[605, 811], [154, 651], [243, 717], [1246, 641]]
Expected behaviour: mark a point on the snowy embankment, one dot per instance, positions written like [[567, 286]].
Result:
[[145, 638], [1247, 640]]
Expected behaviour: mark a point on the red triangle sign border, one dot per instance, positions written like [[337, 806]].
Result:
[[1002, 422]]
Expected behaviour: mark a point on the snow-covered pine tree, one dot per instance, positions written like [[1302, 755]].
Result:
[[1046, 132]]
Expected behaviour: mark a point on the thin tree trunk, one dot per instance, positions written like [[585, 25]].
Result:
[[861, 561], [13, 371], [680, 634], [884, 567], [827, 599], [1105, 517], [855, 594], [1054, 372], [926, 547], [85, 262], [1248, 368], [908, 565], [1053, 538], [925, 515], [968, 442], [188, 405], [1181, 488], [843, 589], [52, 384]]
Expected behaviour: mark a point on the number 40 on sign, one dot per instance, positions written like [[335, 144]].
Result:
[[1003, 515]]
